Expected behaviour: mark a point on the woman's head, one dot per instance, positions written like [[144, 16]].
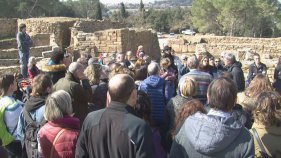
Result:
[[187, 109], [222, 94], [188, 87], [139, 63], [57, 57], [93, 73], [31, 62], [165, 63], [259, 84], [143, 106], [8, 85], [117, 68], [41, 85], [205, 61], [58, 105], [268, 108]]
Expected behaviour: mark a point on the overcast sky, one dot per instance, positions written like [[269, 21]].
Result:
[[125, 1]]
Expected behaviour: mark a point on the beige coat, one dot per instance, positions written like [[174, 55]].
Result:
[[271, 138]]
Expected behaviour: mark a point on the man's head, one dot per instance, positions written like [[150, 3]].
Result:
[[129, 54], [77, 70], [222, 55], [192, 62], [257, 59], [153, 69], [121, 88], [229, 59], [222, 94], [217, 62], [22, 28], [120, 57], [140, 48]]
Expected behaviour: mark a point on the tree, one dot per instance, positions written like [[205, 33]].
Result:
[[237, 17], [141, 9], [98, 14], [123, 12]]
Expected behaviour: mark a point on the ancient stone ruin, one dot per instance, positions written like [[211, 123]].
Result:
[[243, 47], [74, 35]]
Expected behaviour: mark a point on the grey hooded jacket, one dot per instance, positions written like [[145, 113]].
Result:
[[211, 136]]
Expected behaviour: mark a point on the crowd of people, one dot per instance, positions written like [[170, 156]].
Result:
[[127, 105]]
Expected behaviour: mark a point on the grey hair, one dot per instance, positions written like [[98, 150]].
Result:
[[153, 68], [73, 67], [192, 62], [230, 57], [58, 105]]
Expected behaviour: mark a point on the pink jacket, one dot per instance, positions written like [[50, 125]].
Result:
[[66, 142]]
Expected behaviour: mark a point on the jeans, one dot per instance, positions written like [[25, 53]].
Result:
[[24, 56]]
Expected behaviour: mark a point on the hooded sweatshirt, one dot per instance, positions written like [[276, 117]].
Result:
[[36, 107], [154, 87], [212, 136]]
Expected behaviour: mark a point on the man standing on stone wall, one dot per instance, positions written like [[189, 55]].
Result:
[[24, 42]]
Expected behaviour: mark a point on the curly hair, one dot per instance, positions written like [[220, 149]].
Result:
[[93, 73], [268, 108], [143, 107], [139, 63]]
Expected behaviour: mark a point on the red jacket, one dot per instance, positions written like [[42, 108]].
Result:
[[65, 144]]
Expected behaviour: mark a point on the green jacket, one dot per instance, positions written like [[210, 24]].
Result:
[[80, 94], [5, 136]]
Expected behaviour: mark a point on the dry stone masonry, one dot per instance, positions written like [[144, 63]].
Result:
[[243, 47], [74, 34], [8, 28], [116, 40]]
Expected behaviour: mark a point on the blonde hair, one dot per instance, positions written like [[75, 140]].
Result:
[[93, 73], [188, 87], [31, 62], [165, 61], [58, 105]]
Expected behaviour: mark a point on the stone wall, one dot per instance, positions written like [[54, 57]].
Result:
[[216, 44], [116, 40], [242, 47], [59, 26], [8, 28], [90, 26]]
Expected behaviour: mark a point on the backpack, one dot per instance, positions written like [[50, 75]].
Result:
[[30, 143]]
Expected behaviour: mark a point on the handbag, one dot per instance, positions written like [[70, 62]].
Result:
[[263, 152]]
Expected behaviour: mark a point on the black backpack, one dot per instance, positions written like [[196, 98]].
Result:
[[30, 144]]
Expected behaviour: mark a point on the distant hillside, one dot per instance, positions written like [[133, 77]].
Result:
[[182, 1]]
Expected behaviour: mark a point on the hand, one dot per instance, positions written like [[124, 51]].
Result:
[[81, 76]]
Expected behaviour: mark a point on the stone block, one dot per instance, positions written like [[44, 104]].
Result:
[[184, 49], [191, 48], [47, 54], [266, 56]]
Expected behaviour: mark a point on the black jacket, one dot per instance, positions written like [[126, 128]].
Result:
[[238, 75], [254, 70], [115, 132]]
